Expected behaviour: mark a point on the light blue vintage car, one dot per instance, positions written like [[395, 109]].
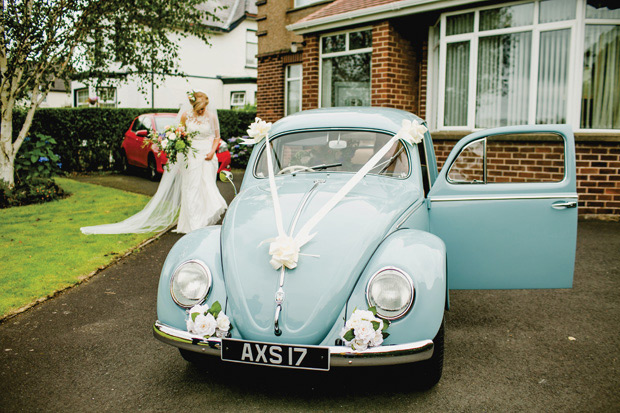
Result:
[[501, 214]]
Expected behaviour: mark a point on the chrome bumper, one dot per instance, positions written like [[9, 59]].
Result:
[[339, 355]]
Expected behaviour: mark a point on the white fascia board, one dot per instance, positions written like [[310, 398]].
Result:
[[385, 11]]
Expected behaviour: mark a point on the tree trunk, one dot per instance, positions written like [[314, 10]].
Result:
[[7, 155]]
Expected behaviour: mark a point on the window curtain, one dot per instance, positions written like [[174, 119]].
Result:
[[601, 73], [457, 81], [553, 77], [503, 80]]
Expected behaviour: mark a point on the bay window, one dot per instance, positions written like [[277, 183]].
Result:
[[532, 62], [345, 68]]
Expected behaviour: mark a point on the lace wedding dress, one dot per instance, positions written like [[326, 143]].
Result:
[[201, 201], [189, 193]]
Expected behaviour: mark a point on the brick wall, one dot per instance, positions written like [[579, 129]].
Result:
[[310, 72], [598, 178], [598, 171], [270, 84], [394, 69]]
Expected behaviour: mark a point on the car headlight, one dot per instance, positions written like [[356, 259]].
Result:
[[391, 291], [190, 283]]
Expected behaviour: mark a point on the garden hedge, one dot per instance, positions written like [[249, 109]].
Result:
[[89, 139]]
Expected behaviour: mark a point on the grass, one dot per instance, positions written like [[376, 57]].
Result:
[[42, 249]]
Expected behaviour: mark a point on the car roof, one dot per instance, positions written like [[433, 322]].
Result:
[[386, 119]]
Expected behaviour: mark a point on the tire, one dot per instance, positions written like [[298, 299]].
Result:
[[428, 372], [125, 167], [151, 169]]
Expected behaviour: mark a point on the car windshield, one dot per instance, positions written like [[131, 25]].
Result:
[[342, 151], [162, 121]]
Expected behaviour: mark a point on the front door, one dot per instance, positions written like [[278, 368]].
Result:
[[505, 204]]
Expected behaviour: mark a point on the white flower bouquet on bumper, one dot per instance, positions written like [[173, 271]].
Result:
[[208, 321], [364, 329]]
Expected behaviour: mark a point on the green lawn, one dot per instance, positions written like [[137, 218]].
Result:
[[42, 249]]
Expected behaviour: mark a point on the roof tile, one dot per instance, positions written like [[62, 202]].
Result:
[[344, 6]]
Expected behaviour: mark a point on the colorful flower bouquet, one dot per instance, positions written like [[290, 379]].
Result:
[[364, 329], [174, 142], [208, 321]]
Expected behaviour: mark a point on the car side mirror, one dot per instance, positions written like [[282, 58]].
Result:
[[142, 133], [227, 176]]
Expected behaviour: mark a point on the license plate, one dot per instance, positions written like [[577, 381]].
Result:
[[276, 355]]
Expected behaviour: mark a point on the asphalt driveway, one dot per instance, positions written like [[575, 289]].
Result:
[[92, 348]]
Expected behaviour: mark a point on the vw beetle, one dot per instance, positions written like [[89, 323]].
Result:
[[396, 243]]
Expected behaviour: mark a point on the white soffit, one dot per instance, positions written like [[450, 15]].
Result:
[[369, 14]]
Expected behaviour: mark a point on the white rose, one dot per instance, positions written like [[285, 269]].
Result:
[[284, 252], [171, 135], [412, 132], [204, 325], [364, 315], [223, 322], [377, 339], [189, 324], [259, 129], [359, 345], [365, 331]]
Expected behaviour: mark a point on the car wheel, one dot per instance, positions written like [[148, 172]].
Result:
[[125, 167], [151, 169], [428, 372]]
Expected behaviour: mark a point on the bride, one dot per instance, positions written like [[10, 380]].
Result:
[[188, 190]]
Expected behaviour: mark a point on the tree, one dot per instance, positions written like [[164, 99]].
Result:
[[46, 40]]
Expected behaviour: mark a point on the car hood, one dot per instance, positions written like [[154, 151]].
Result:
[[317, 290]]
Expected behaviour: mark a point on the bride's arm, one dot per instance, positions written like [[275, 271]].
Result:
[[216, 140]]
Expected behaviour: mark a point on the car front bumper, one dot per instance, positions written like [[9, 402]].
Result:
[[340, 356]]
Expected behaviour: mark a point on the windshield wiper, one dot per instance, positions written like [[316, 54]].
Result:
[[325, 166]]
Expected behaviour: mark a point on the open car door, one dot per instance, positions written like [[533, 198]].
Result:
[[505, 204]]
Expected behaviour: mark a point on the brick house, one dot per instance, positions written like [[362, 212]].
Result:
[[461, 65]]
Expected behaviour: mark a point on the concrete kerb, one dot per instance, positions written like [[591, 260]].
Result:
[[84, 278]]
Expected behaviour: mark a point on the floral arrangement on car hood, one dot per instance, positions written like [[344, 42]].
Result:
[[208, 321], [364, 329], [174, 142]]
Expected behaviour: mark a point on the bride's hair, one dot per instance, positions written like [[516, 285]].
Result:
[[198, 99]]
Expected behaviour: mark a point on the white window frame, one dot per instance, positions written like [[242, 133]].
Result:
[[248, 42], [232, 99], [287, 81], [575, 69], [346, 52], [106, 102], [79, 104]]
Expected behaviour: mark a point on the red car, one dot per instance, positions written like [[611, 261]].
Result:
[[148, 157]]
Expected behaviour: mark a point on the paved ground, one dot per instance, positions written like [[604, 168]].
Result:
[[91, 348]]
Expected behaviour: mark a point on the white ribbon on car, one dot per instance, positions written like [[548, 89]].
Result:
[[285, 249]]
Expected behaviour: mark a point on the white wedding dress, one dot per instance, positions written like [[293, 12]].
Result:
[[201, 201], [189, 193]]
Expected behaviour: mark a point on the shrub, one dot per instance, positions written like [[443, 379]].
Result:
[[239, 153], [89, 139], [32, 191], [36, 158]]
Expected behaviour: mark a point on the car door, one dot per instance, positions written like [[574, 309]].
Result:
[[133, 142], [505, 204]]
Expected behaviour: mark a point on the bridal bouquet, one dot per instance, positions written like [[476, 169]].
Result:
[[364, 329], [174, 142]]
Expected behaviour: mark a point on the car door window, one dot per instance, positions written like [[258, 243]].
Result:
[[147, 123], [510, 158], [138, 125]]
